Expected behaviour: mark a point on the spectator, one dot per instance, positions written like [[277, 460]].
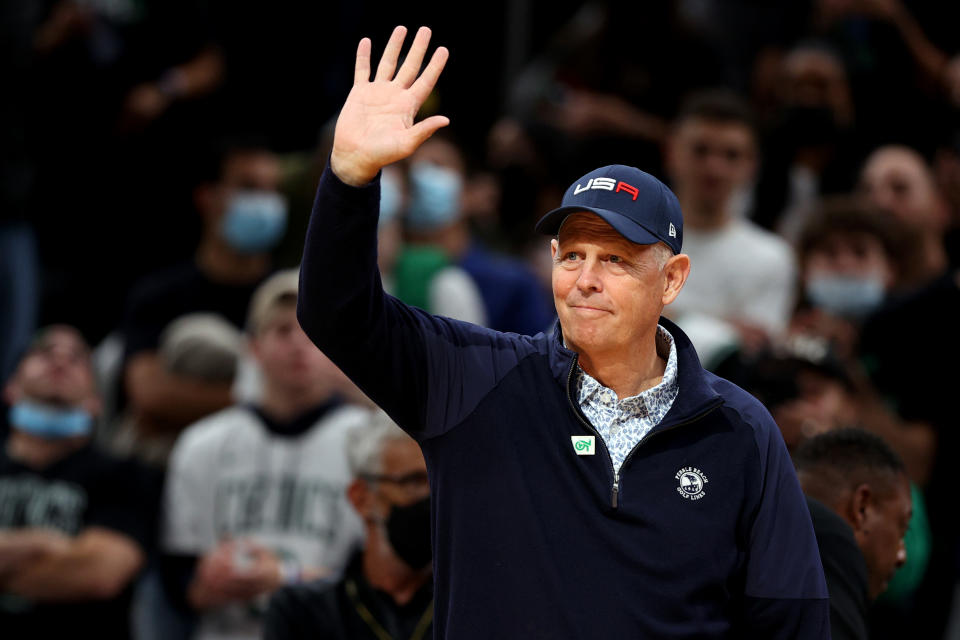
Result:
[[512, 298], [75, 524], [859, 499], [243, 218], [741, 290], [391, 578], [898, 179], [419, 250], [850, 260], [811, 147], [255, 494]]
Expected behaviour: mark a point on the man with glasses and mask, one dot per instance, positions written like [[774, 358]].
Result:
[[593, 483], [387, 589]]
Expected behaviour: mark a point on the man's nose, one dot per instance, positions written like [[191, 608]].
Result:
[[589, 278]]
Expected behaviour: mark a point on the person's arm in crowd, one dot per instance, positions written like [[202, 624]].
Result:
[[785, 591], [410, 363], [233, 572], [96, 564], [166, 402], [928, 57], [197, 77]]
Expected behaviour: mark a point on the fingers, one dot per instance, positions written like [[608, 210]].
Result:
[[361, 71], [425, 83], [411, 65], [388, 62]]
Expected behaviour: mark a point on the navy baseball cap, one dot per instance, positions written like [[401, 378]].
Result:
[[640, 207]]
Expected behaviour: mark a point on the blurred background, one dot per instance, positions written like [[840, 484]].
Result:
[[158, 160]]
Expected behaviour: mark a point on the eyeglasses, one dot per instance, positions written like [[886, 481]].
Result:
[[413, 482]]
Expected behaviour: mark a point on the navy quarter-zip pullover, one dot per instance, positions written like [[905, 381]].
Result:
[[704, 533]]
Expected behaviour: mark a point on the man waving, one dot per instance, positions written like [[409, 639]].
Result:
[[592, 483]]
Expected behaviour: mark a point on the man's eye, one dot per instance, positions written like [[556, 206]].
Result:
[[570, 255], [615, 259]]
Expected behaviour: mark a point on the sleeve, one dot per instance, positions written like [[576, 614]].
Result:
[[427, 372], [454, 294], [785, 595], [188, 526], [771, 301]]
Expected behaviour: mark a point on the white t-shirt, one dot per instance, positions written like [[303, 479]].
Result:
[[229, 476], [739, 272]]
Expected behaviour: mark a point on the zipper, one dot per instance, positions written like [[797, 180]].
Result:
[[616, 486], [615, 490], [614, 494]]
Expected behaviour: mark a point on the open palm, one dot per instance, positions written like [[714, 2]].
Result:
[[376, 125]]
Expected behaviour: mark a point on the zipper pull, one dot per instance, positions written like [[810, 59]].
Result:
[[615, 494]]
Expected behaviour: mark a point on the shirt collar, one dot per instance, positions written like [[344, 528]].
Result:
[[589, 388]]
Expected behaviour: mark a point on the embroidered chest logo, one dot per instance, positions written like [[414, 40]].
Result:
[[692, 482], [583, 445]]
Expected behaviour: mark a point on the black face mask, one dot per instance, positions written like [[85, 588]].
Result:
[[408, 529]]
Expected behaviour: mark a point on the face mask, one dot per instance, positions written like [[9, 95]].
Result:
[[408, 530], [434, 196], [846, 296], [254, 221], [46, 421]]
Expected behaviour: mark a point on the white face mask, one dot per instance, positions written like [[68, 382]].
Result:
[[851, 297]]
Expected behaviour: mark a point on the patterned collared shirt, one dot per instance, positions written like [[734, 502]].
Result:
[[623, 423]]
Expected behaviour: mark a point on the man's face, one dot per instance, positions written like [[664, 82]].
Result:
[[709, 160], [243, 171], [851, 254], [403, 479], [898, 180], [881, 540], [57, 370], [608, 291], [287, 357]]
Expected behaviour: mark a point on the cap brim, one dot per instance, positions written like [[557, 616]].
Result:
[[550, 223]]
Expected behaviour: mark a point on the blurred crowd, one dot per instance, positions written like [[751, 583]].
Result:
[[180, 461]]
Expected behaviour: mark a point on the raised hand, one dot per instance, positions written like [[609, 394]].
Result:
[[375, 126]]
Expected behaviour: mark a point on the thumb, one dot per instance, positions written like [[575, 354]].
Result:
[[426, 128]]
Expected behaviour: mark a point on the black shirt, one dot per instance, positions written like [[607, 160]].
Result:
[[85, 489], [165, 296], [349, 610], [845, 571]]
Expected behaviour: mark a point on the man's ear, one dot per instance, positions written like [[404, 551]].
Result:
[[554, 247], [676, 271], [360, 496], [861, 499]]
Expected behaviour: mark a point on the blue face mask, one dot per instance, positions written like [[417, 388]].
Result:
[[434, 196], [46, 421], [849, 297], [254, 221]]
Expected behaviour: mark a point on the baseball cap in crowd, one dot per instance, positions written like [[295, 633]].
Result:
[[281, 286], [640, 207]]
